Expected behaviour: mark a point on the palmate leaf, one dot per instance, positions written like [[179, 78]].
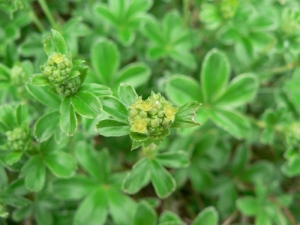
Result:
[[184, 118], [208, 216]]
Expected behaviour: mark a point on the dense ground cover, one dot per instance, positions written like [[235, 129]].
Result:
[[168, 112]]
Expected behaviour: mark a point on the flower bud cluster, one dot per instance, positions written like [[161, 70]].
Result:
[[228, 8], [18, 75], [58, 68], [17, 139], [70, 87], [152, 116]]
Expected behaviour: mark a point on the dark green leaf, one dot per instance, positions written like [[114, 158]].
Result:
[[39, 80], [46, 126], [208, 216], [145, 215], [184, 118], [68, 119], [112, 128], [173, 159], [115, 108]]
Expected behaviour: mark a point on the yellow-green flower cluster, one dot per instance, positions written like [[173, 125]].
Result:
[[228, 8], [17, 139], [152, 116], [70, 87], [18, 75], [58, 68]]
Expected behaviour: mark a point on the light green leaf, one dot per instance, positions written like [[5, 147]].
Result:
[[112, 128], [86, 104], [105, 60], [106, 14], [127, 94], [170, 218], [176, 90], [46, 126], [177, 159], [22, 114], [97, 89], [93, 210], [231, 121], [138, 177], [61, 164], [56, 43], [248, 205], [35, 173], [152, 30], [139, 6], [208, 216], [145, 214], [126, 36], [39, 80], [7, 117], [241, 90], [115, 108], [185, 115], [13, 157], [184, 58], [135, 74], [164, 184], [68, 119], [74, 188], [214, 74]]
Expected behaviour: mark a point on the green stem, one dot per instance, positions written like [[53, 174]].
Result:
[[37, 22], [46, 10], [186, 13]]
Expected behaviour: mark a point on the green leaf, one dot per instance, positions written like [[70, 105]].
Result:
[[68, 119], [135, 74], [93, 210], [7, 117], [86, 104], [240, 159], [35, 173], [56, 43], [97, 89], [90, 160], [185, 115], [138, 177], [43, 216], [44, 96], [74, 188], [183, 57], [3, 177], [139, 6], [248, 205], [231, 121], [145, 215], [105, 60], [138, 137], [178, 159], [127, 94], [170, 218], [106, 14], [126, 36], [121, 207], [152, 30], [22, 114], [208, 216], [112, 128], [241, 90], [39, 80], [291, 168], [164, 184], [13, 157], [22, 213], [115, 108], [176, 90], [214, 74], [61, 164], [46, 126]]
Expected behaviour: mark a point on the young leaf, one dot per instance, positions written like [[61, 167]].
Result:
[[68, 120], [105, 59], [39, 80], [112, 128], [46, 126], [7, 117], [93, 210], [208, 216], [115, 108], [135, 74], [214, 74], [86, 104], [145, 212], [44, 96], [127, 94], [248, 205], [61, 164], [21, 114], [138, 177], [241, 90], [176, 90], [162, 180], [184, 118], [56, 43]]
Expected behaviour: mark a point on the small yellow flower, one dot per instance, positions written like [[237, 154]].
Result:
[[170, 112], [140, 126], [146, 105], [58, 58]]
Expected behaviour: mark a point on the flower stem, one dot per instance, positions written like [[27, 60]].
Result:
[[46, 10]]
